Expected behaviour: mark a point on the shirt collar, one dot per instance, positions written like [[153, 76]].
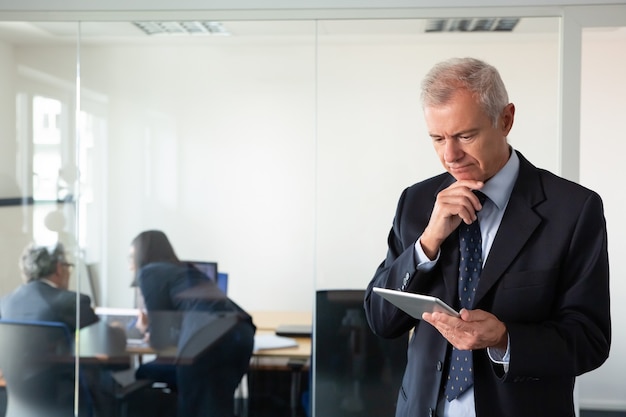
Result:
[[50, 283], [500, 186]]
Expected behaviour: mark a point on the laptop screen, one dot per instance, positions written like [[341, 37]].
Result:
[[126, 318], [210, 270]]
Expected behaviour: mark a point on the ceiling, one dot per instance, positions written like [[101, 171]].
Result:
[[112, 32]]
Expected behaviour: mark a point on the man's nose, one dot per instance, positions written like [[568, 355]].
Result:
[[453, 151]]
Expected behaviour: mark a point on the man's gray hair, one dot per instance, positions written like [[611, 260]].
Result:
[[39, 262], [476, 76]]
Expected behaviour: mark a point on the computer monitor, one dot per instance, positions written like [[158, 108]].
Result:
[[207, 268], [222, 281], [210, 270]]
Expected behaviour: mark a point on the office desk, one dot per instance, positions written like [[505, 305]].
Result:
[[302, 350], [270, 320], [292, 359], [266, 322]]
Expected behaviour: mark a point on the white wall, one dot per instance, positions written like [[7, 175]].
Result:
[[602, 169], [12, 235], [373, 141], [282, 165], [7, 117]]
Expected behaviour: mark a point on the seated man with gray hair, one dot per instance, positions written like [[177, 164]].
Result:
[[45, 296]]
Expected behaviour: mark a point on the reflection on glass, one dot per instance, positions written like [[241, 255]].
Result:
[[49, 183], [356, 373], [278, 150]]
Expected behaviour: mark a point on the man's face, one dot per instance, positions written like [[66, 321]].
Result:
[[468, 145], [64, 271]]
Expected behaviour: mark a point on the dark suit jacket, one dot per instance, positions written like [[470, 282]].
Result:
[[37, 300], [546, 277]]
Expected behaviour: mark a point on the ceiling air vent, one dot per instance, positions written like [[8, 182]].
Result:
[[479, 24], [182, 28]]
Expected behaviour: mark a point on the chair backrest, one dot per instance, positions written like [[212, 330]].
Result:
[[94, 283], [37, 362], [355, 373]]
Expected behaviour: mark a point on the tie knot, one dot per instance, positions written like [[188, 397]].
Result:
[[481, 196]]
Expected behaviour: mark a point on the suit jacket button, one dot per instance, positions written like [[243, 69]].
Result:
[[439, 366], [431, 412]]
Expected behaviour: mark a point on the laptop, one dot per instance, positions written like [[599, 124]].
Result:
[[125, 318], [294, 330]]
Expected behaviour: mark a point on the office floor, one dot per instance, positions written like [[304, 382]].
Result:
[[269, 406], [597, 413], [282, 410]]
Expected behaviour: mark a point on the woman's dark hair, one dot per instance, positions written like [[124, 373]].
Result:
[[152, 246]]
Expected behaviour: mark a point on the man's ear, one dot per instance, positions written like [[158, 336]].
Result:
[[59, 268], [508, 115]]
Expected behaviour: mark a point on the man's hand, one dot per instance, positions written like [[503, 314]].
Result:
[[475, 329], [455, 204], [142, 322]]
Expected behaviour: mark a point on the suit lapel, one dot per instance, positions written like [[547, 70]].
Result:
[[518, 224]]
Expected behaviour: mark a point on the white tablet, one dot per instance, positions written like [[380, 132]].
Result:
[[415, 304]]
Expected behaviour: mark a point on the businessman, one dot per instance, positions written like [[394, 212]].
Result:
[[531, 283], [45, 297]]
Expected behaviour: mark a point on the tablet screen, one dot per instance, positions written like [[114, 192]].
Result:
[[415, 304]]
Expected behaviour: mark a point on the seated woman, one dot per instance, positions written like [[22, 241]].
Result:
[[173, 292]]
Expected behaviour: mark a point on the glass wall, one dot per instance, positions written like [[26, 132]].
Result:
[[277, 149]]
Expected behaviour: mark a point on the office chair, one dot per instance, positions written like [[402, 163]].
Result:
[[355, 373], [37, 362]]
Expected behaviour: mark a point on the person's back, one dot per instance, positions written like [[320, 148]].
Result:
[[183, 288], [181, 302], [40, 301]]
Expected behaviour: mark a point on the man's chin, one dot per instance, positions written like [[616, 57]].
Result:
[[464, 174]]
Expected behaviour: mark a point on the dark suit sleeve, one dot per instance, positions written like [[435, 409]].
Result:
[[577, 336], [399, 271], [64, 307], [87, 314]]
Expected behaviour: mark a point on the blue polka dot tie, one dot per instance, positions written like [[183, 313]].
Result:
[[460, 375]]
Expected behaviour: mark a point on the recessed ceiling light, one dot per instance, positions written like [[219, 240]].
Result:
[[482, 24], [183, 28]]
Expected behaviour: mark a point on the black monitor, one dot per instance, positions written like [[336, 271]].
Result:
[[357, 374], [210, 270]]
